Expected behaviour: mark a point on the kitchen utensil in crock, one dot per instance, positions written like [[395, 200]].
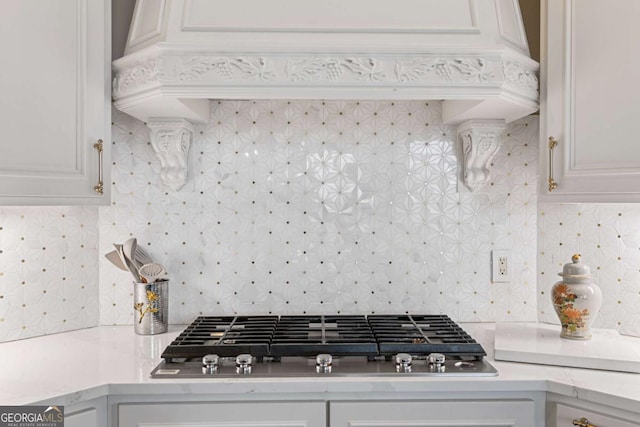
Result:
[[129, 249], [120, 253], [151, 272], [115, 260], [126, 261], [142, 257]]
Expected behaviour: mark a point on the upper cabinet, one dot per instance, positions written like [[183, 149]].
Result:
[[55, 113], [589, 149]]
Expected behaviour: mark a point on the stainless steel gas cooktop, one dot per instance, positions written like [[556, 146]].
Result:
[[322, 345]]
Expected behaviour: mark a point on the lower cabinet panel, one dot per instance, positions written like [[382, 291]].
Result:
[[566, 415], [88, 418], [467, 413], [219, 414], [90, 413]]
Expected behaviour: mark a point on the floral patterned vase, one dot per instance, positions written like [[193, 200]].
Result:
[[576, 300]]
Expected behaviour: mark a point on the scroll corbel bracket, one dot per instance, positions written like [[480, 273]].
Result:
[[480, 140], [171, 140]]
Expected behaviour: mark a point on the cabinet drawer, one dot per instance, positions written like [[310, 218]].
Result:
[[567, 414], [434, 413], [223, 414]]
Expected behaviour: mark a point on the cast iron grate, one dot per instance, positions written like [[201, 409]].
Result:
[[312, 335], [225, 336], [309, 335], [421, 335]]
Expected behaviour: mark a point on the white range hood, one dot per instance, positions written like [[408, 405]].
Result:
[[472, 54]]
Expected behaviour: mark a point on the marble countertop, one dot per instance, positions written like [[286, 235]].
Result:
[[79, 365]]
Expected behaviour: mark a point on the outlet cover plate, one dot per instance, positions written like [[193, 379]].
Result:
[[500, 266]]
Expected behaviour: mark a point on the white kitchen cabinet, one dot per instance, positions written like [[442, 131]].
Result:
[[56, 103], [589, 92], [223, 414], [565, 412], [88, 418], [569, 416], [433, 413], [92, 413]]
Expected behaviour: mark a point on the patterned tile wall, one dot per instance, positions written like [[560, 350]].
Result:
[[316, 207], [608, 238], [48, 270], [325, 207]]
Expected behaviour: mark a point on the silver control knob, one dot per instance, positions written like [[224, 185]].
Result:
[[210, 364], [403, 362], [323, 363], [243, 363], [436, 361]]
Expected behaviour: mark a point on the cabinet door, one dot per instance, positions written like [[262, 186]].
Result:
[[92, 413], [465, 413], [55, 85], [223, 414], [88, 418], [589, 91], [566, 415]]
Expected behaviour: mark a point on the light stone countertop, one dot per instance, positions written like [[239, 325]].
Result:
[[75, 366]]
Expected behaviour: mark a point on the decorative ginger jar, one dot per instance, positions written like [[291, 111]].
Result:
[[576, 300]]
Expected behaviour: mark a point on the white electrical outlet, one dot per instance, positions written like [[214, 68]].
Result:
[[500, 266]]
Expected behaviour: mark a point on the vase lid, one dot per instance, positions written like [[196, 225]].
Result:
[[575, 268]]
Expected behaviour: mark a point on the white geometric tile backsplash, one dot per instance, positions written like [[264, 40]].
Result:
[[325, 207], [608, 238], [48, 270], [316, 207]]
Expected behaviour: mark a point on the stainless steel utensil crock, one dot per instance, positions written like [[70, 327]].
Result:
[[150, 307]]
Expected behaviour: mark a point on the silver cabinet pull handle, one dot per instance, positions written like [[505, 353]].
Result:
[[552, 144], [99, 187], [582, 422]]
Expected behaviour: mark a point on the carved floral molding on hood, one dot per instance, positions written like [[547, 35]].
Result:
[[441, 70]]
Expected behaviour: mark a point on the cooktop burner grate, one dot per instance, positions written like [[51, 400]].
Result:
[[225, 336], [422, 334], [312, 335], [338, 335]]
